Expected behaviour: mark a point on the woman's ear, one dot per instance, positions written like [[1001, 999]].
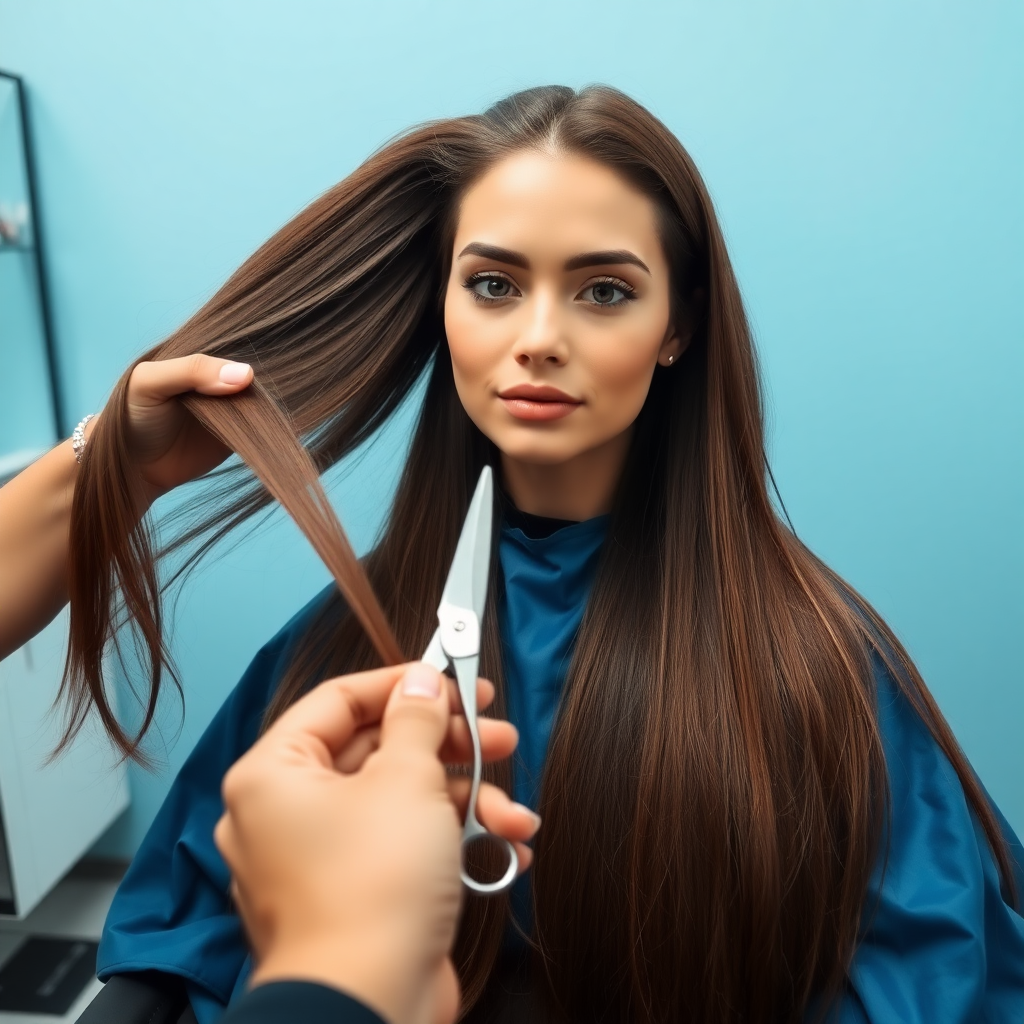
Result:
[[679, 334], [674, 345]]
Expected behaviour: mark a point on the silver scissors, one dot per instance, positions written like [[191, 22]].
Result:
[[456, 643]]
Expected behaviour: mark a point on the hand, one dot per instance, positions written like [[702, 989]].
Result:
[[169, 446], [343, 839]]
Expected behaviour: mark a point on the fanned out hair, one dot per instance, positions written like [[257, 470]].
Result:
[[715, 794]]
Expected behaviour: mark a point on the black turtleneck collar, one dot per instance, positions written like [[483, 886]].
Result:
[[535, 527]]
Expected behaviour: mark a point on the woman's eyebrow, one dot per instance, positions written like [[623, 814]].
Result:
[[495, 252], [602, 258]]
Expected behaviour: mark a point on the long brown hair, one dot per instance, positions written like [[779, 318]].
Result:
[[715, 791]]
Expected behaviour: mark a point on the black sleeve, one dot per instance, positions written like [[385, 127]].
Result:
[[281, 1002]]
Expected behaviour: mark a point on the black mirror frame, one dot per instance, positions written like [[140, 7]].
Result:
[[60, 423]]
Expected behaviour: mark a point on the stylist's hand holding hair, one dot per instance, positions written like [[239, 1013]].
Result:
[[169, 447], [350, 878]]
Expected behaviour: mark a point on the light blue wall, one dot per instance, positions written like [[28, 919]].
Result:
[[867, 159]]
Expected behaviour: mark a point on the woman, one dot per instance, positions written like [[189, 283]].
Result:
[[753, 808]]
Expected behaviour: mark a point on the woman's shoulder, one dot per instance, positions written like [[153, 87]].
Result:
[[920, 775], [941, 937]]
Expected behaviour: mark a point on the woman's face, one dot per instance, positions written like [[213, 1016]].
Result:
[[557, 307]]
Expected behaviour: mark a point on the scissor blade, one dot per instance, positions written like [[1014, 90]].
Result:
[[466, 586], [434, 654]]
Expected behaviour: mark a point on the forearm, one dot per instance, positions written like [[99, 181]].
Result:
[[35, 510], [35, 518]]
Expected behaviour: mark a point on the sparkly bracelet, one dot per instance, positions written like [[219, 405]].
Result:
[[78, 438]]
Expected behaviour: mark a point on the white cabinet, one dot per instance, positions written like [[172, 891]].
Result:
[[50, 814]]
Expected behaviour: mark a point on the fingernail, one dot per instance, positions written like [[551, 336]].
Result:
[[529, 814], [421, 681], [234, 373]]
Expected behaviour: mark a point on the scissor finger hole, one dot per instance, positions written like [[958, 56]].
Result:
[[489, 862]]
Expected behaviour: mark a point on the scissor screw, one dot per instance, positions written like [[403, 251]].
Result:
[[458, 626]]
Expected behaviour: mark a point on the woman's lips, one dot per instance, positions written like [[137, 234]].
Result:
[[530, 402], [523, 409]]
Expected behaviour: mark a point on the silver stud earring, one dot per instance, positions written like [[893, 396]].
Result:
[[670, 358]]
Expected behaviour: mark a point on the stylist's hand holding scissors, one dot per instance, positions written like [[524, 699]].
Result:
[[342, 831]]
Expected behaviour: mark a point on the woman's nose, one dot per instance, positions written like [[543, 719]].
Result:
[[543, 339]]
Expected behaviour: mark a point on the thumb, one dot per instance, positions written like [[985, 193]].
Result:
[[417, 714], [153, 383]]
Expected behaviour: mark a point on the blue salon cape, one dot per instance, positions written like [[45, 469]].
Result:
[[939, 945]]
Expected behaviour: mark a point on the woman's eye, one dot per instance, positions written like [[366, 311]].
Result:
[[492, 288], [606, 293]]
